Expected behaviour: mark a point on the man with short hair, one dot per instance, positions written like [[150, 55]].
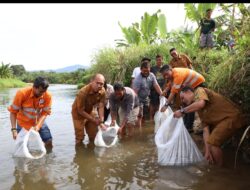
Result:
[[207, 27], [30, 107], [220, 118], [179, 60], [178, 78], [154, 96], [124, 101], [88, 109], [142, 86]]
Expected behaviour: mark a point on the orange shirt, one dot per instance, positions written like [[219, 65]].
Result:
[[29, 108], [184, 77], [86, 99], [182, 61]]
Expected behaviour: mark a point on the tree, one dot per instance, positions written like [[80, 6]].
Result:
[[18, 70], [151, 28], [5, 71]]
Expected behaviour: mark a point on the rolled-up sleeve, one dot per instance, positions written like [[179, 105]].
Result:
[[17, 102], [47, 105]]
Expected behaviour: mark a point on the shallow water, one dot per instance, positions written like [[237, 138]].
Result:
[[131, 164]]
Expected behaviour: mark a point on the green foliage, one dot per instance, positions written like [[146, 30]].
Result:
[[5, 71], [131, 34], [232, 78], [118, 64], [55, 78], [11, 83], [196, 11], [162, 26], [150, 29], [18, 70]]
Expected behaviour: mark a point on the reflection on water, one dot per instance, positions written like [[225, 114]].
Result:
[[130, 164]]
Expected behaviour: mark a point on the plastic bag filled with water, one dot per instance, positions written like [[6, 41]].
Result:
[[175, 146], [161, 116], [29, 145], [108, 137]]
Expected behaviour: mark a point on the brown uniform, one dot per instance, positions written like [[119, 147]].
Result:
[[86, 100], [220, 114], [182, 61]]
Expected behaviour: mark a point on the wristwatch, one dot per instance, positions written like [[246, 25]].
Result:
[[13, 129]]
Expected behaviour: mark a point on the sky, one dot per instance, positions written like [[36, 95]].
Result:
[[51, 36]]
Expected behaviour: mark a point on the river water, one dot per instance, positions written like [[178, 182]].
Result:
[[131, 164]]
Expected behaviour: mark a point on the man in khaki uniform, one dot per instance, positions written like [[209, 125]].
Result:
[[88, 109], [179, 60], [219, 116]]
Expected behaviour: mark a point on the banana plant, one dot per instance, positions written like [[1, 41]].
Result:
[[196, 11], [5, 71], [150, 29]]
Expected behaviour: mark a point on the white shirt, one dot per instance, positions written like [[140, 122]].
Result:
[[136, 72]]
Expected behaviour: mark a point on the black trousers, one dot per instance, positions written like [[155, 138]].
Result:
[[189, 120], [106, 113]]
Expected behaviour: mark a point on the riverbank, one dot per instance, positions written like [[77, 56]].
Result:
[[11, 83]]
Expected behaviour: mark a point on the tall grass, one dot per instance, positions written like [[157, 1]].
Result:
[[11, 83]]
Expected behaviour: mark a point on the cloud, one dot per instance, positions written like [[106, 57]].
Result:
[[51, 36]]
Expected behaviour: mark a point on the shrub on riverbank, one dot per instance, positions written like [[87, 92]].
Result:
[[224, 72], [11, 83]]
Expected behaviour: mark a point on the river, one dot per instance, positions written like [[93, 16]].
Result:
[[131, 164]]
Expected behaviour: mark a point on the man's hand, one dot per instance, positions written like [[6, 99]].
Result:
[[35, 128], [97, 121], [14, 134], [103, 127], [120, 130], [177, 114], [164, 108], [209, 157], [112, 123]]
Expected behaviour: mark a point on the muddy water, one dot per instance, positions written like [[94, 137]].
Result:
[[131, 164]]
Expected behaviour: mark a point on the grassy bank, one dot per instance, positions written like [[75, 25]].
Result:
[[11, 83]]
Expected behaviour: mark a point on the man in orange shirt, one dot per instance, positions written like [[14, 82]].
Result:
[[179, 60], [30, 108], [88, 109], [177, 78]]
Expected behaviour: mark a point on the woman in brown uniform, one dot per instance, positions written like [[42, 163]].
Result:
[[220, 118]]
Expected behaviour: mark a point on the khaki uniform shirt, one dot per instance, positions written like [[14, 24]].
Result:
[[217, 108], [182, 61], [86, 99]]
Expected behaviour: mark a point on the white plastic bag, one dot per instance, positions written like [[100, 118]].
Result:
[[29, 144], [108, 137], [161, 116], [174, 144], [86, 137]]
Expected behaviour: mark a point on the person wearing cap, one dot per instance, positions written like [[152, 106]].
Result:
[[220, 118]]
